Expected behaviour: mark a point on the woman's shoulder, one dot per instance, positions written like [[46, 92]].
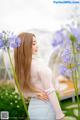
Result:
[[39, 63], [37, 60]]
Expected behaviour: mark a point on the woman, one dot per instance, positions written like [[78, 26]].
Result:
[[35, 80]]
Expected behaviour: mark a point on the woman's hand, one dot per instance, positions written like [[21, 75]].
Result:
[[64, 118], [42, 95]]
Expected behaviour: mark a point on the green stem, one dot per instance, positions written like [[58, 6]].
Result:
[[75, 79], [17, 84]]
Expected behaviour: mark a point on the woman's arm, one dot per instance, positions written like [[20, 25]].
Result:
[[46, 79]]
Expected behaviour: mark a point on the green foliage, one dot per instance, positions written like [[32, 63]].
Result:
[[72, 38], [10, 101], [69, 108]]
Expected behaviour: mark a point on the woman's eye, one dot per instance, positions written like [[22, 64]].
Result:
[[33, 43]]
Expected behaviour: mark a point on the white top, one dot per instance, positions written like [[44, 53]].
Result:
[[41, 77]]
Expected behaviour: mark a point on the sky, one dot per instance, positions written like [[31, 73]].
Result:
[[22, 15]]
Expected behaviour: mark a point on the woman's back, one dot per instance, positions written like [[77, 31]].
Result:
[[37, 66], [36, 70]]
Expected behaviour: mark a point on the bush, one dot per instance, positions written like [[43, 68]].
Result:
[[10, 101]]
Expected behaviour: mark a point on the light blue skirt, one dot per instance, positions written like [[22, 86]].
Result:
[[41, 110]]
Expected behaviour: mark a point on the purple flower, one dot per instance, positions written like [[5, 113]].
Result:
[[67, 39], [8, 39], [66, 52], [62, 69], [58, 38], [68, 73], [11, 37], [16, 43], [66, 56], [1, 43], [1, 34], [74, 68], [65, 71], [77, 46], [75, 31]]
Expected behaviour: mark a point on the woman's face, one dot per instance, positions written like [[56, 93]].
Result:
[[34, 46]]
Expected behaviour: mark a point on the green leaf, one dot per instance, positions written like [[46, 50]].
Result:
[[72, 38]]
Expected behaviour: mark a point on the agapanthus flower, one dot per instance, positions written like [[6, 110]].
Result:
[[67, 40], [62, 69], [77, 46], [58, 38], [68, 73], [14, 41], [8, 39], [1, 43], [70, 66], [75, 32], [65, 71], [66, 56]]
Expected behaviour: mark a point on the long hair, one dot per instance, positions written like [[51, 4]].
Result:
[[23, 59]]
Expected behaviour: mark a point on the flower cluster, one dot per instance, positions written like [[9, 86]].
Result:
[[70, 43], [70, 56], [8, 39]]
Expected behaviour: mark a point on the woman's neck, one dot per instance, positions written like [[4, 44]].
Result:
[[36, 55]]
